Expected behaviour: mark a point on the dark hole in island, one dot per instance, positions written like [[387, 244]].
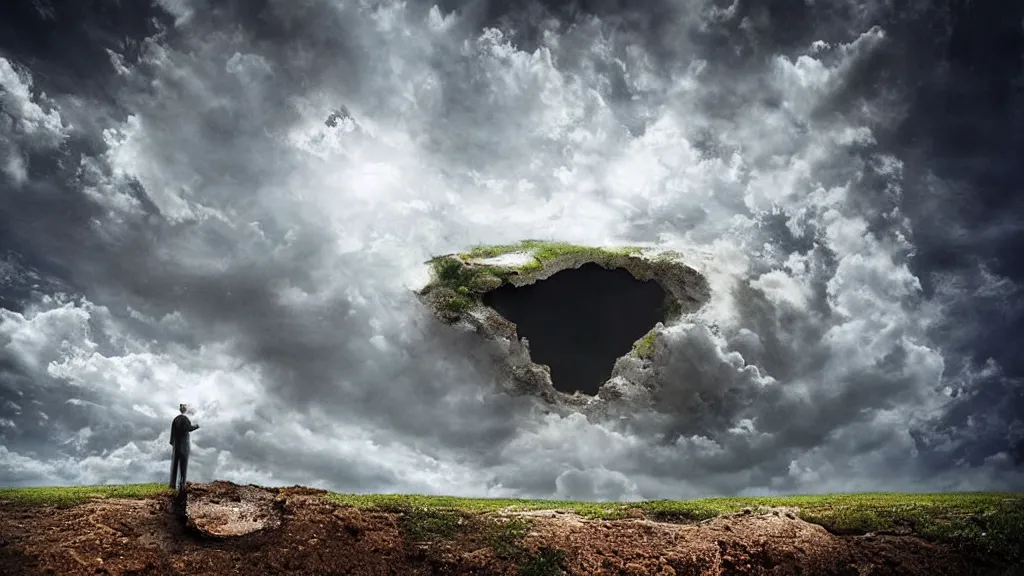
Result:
[[579, 321]]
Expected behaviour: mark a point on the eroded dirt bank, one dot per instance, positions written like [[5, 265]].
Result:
[[298, 531]]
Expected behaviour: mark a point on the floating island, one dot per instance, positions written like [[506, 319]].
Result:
[[578, 326]]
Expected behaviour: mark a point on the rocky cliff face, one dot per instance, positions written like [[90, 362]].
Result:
[[456, 296]]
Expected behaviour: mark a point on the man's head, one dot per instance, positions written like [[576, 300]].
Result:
[[182, 408]]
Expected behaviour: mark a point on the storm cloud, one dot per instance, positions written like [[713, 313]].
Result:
[[228, 204]]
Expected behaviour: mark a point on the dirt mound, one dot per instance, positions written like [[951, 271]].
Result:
[[224, 510], [765, 542], [301, 532]]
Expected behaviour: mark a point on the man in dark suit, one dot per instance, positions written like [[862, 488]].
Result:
[[181, 428]]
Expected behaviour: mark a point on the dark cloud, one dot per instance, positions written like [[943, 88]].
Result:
[[233, 207], [65, 43]]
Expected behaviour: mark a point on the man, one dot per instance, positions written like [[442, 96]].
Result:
[[181, 427]]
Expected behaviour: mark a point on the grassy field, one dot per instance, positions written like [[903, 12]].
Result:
[[73, 495], [992, 521], [989, 522]]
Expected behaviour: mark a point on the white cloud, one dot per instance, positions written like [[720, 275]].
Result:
[[26, 117], [598, 485], [180, 9], [24, 125]]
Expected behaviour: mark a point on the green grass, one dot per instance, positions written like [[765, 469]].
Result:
[[64, 496], [506, 536], [475, 505], [544, 251], [988, 522], [459, 285], [546, 562], [431, 524], [437, 518], [644, 347]]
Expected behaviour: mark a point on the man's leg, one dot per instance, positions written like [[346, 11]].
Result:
[[184, 471], [174, 469]]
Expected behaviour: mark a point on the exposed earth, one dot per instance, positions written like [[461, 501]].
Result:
[[230, 529]]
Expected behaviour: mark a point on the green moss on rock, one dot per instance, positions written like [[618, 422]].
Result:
[[644, 347], [458, 281], [544, 252], [456, 274]]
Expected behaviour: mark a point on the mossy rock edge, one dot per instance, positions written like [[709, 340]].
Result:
[[458, 282]]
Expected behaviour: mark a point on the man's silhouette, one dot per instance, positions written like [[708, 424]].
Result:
[[181, 427]]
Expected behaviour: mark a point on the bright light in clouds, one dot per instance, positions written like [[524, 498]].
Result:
[[239, 222]]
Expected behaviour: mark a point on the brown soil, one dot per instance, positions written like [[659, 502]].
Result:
[[229, 529]]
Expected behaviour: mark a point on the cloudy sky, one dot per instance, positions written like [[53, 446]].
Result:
[[226, 203]]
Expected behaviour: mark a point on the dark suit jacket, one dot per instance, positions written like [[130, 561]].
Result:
[[181, 427]]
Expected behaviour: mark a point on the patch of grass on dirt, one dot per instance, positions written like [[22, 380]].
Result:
[[506, 537], [459, 284], [989, 522], [545, 562], [429, 525], [458, 303], [433, 519], [421, 518], [66, 496], [401, 501]]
